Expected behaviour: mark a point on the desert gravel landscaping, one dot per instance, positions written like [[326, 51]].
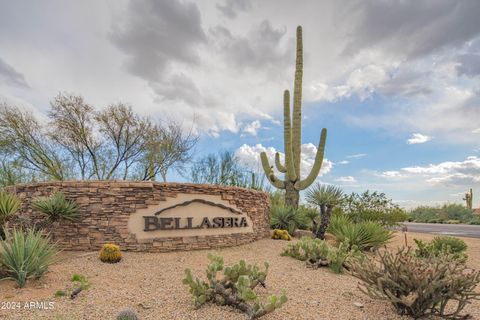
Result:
[[150, 283]]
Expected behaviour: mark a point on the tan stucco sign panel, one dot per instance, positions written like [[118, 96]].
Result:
[[189, 215]]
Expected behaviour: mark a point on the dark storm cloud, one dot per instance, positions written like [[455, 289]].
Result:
[[232, 7], [407, 82], [157, 32], [412, 28], [10, 76], [260, 49]]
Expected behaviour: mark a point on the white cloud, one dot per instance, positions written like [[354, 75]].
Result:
[[358, 155], [252, 128], [417, 138], [476, 130], [390, 174], [250, 157], [346, 180], [448, 173], [343, 162]]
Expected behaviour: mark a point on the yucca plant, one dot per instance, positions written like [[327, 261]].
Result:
[[364, 235], [326, 198], [26, 255], [56, 207], [9, 204]]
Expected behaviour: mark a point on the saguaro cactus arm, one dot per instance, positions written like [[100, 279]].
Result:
[[276, 182], [279, 164], [303, 184]]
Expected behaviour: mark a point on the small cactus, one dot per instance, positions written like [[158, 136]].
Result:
[[127, 314], [279, 234], [110, 253]]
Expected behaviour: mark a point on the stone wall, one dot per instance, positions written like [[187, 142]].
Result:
[[106, 206]]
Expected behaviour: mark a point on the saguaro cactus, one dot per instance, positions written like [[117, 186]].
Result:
[[293, 184], [469, 199]]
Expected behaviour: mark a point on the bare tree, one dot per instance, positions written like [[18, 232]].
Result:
[[81, 142], [128, 137], [22, 135], [72, 127]]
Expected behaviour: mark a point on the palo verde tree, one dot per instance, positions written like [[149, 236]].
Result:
[[293, 183]]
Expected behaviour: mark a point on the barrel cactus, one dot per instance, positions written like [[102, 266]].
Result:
[[279, 234], [110, 253], [293, 184], [127, 314]]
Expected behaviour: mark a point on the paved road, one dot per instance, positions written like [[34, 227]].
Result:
[[457, 230]]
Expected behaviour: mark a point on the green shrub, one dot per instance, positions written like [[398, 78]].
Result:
[[56, 207], [26, 255], [418, 287], [287, 218], [475, 221], [364, 235], [59, 293], [318, 253], [373, 206], [442, 246], [235, 289], [80, 281], [127, 314], [442, 214]]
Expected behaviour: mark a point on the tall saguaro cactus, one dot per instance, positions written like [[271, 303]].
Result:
[[469, 199], [293, 184]]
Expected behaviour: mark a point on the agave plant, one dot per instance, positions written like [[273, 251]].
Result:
[[26, 255], [363, 235], [287, 218], [9, 204], [56, 207]]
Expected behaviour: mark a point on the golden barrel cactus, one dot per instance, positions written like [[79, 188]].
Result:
[[110, 253], [279, 234]]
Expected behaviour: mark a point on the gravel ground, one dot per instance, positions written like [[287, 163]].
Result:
[[150, 283]]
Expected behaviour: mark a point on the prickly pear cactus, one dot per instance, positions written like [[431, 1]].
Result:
[[236, 288]]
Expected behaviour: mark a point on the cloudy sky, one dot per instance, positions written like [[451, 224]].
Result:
[[396, 83]]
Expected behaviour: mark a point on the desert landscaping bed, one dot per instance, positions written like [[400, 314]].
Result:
[[150, 283]]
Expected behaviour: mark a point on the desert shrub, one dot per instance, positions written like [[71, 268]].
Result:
[[287, 218], [442, 214], [110, 253], [26, 255], [363, 235], [318, 253], [235, 289], [418, 287], [56, 207], [127, 314], [281, 235], [442, 246], [9, 204], [373, 206], [474, 221]]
